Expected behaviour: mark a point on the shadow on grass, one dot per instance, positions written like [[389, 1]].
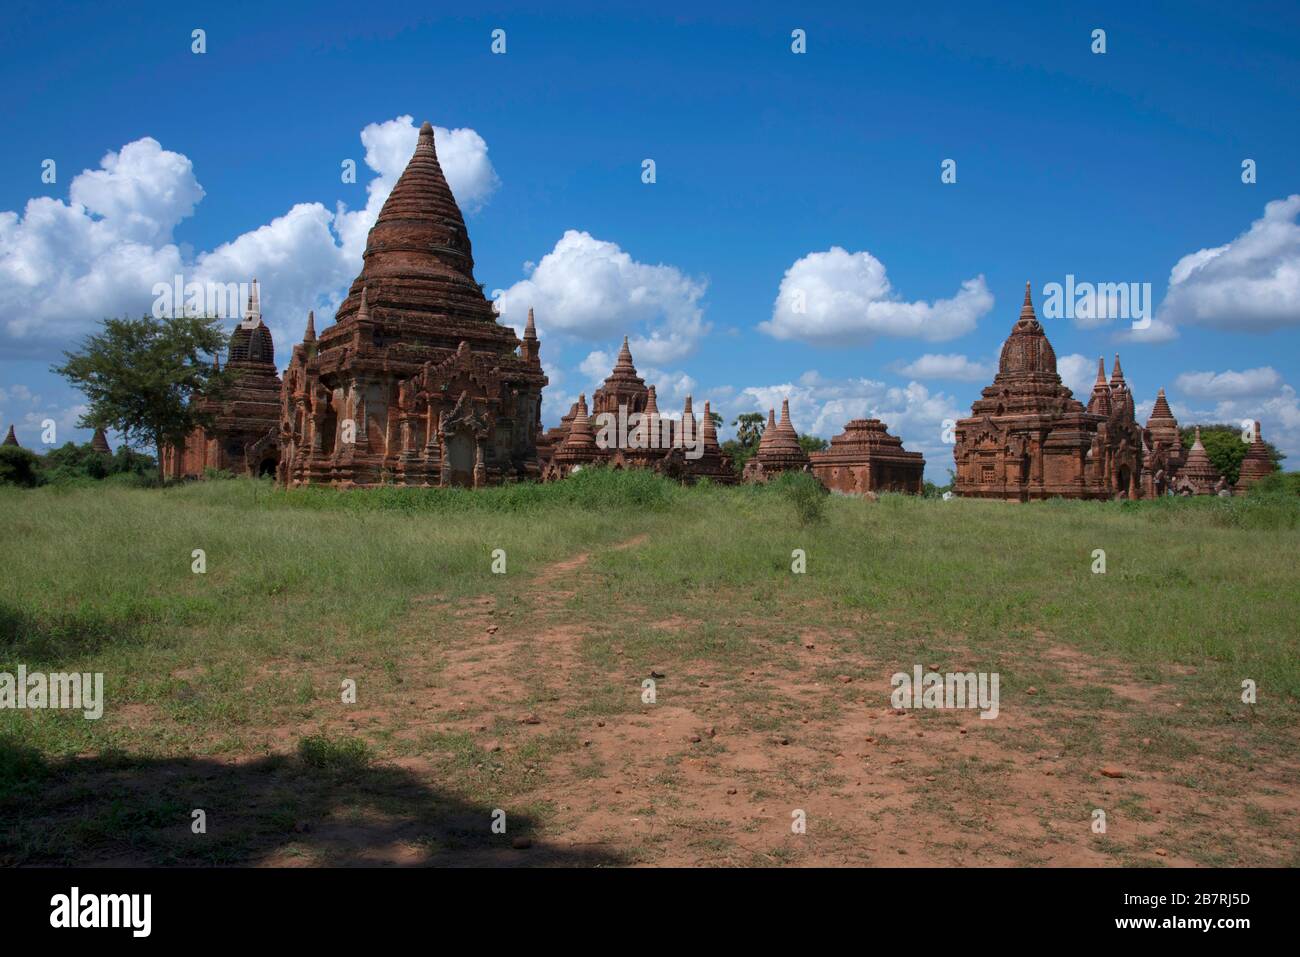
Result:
[[328, 805], [52, 639]]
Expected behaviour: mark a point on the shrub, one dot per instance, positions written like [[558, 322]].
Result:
[[19, 466], [806, 494]]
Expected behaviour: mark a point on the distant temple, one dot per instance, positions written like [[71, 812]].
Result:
[[624, 429], [1028, 438], [243, 437], [866, 458], [1256, 465], [778, 449], [99, 442], [416, 383], [1197, 474], [11, 438]]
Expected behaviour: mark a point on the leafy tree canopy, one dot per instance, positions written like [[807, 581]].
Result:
[[1225, 447], [139, 377]]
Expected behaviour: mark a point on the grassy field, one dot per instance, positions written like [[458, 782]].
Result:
[[523, 693]]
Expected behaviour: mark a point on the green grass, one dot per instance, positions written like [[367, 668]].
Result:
[[306, 588]]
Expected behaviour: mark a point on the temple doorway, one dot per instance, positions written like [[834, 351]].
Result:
[[460, 460]]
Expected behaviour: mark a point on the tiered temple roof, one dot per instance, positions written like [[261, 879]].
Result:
[[866, 458], [1198, 476], [632, 433], [100, 442], [416, 382], [1256, 464], [1027, 437], [244, 434], [623, 387], [778, 449], [10, 438]]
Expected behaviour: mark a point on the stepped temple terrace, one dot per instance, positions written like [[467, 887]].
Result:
[[244, 435], [866, 458]]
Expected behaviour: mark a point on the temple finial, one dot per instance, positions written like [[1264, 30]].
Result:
[[1027, 310], [310, 334]]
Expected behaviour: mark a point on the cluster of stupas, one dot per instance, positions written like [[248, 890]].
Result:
[[417, 383], [625, 429], [98, 442], [1028, 438]]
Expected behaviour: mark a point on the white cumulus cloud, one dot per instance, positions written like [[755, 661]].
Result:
[[65, 265], [588, 288], [841, 298], [1249, 383], [1251, 284], [956, 367]]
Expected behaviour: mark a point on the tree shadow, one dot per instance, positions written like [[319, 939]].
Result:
[[314, 808], [58, 636]]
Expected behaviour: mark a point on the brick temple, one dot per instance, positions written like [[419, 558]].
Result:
[[778, 449], [865, 458], [1256, 465], [623, 428], [416, 383], [1028, 438], [244, 435]]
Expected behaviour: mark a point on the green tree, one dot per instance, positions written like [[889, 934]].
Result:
[[1225, 448], [749, 431], [811, 443], [140, 377]]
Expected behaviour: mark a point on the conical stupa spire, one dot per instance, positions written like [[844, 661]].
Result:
[[1117, 375], [100, 442], [1027, 309], [363, 310], [785, 424], [769, 432], [651, 403], [624, 362], [581, 436], [10, 439], [253, 312], [1099, 402], [1257, 464], [1161, 408], [708, 431], [310, 334], [530, 329], [1197, 444]]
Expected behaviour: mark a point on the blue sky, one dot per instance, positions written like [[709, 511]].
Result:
[[1112, 167]]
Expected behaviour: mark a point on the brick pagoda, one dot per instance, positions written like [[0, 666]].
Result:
[[244, 437], [416, 382]]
